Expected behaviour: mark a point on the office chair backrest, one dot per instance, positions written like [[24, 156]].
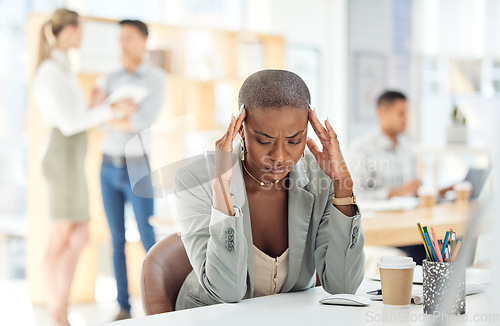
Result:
[[164, 269]]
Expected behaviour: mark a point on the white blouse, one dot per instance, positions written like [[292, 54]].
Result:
[[61, 100], [269, 273]]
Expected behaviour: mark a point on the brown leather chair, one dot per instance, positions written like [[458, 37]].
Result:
[[164, 269]]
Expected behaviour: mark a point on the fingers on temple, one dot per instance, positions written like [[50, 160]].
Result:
[[239, 123], [230, 129], [313, 147], [330, 130], [318, 128]]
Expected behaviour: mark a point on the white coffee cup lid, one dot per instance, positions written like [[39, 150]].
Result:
[[463, 186], [396, 262], [427, 191]]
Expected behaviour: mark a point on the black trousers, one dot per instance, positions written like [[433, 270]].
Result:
[[417, 252]]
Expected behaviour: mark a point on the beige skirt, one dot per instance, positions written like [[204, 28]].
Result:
[[63, 167]]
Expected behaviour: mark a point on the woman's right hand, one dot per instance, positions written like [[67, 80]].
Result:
[[124, 108], [224, 165], [224, 148]]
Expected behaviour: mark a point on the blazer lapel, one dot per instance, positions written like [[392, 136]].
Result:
[[300, 207], [239, 197]]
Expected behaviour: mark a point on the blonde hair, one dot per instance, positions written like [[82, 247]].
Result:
[[51, 29]]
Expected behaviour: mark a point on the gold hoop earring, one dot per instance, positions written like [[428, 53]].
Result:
[[303, 155], [243, 150]]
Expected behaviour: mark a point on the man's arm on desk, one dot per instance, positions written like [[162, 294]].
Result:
[[409, 188]]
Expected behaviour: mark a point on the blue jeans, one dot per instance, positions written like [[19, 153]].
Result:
[[116, 191]]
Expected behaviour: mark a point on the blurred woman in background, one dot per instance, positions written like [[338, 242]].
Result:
[[62, 104]]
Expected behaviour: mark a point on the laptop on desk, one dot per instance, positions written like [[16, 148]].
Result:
[[478, 178]]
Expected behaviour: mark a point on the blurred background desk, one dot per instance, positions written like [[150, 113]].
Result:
[[399, 228]]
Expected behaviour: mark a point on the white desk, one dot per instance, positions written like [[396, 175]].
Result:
[[303, 308]]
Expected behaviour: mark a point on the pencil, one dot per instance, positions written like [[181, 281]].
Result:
[[436, 245], [445, 243], [427, 252], [429, 244], [455, 252], [453, 241]]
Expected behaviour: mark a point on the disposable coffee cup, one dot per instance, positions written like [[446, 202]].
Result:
[[463, 191], [396, 276], [428, 196]]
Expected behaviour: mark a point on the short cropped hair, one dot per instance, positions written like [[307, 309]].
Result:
[[388, 97], [274, 88], [143, 28]]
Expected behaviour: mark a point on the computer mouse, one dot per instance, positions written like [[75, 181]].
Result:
[[346, 300]]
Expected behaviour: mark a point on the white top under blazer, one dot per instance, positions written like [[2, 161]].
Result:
[[60, 98], [269, 273]]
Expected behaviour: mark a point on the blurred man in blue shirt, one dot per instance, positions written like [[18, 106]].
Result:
[[115, 183]]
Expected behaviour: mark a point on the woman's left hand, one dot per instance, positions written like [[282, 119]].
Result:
[[330, 159]]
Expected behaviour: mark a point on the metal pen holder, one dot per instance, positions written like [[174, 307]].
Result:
[[437, 286]]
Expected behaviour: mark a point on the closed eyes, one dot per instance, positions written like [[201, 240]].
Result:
[[289, 142]]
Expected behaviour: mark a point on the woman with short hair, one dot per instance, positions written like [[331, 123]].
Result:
[[268, 216]]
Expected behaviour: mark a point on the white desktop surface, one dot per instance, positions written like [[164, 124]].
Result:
[[303, 308]]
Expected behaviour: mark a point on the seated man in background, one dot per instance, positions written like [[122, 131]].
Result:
[[383, 161]]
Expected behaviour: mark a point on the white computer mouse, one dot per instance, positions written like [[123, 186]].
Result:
[[346, 300]]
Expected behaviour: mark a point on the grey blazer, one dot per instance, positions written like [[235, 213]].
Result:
[[220, 247]]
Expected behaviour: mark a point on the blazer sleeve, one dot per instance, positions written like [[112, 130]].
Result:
[[215, 243], [339, 255]]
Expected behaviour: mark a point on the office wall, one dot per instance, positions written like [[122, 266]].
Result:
[[450, 31], [380, 57], [12, 107], [308, 26]]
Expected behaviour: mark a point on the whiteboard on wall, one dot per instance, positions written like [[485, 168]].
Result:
[[100, 48]]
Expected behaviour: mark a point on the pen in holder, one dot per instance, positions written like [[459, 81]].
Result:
[[437, 287]]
